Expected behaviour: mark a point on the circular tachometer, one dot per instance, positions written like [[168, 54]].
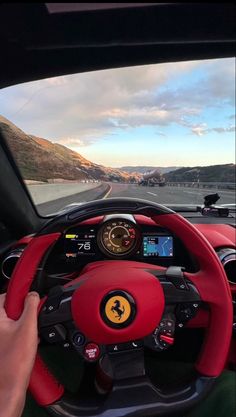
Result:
[[118, 237]]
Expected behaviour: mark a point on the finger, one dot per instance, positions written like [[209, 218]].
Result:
[[29, 315], [2, 300]]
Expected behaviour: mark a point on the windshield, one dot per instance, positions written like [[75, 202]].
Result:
[[164, 133]]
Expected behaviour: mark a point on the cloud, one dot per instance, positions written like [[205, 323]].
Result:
[[137, 117], [222, 129], [199, 130], [56, 81], [202, 129], [77, 110], [72, 142], [159, 133]]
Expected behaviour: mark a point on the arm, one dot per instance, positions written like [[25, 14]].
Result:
[[18, 346]]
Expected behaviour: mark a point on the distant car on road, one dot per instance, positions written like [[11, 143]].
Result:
[[152, 179]]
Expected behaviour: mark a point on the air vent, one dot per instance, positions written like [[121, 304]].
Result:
[[10, 262], [228, 259]]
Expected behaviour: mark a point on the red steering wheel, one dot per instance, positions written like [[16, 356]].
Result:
[[147, 292]]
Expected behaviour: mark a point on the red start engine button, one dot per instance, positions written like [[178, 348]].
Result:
[[91, 351]]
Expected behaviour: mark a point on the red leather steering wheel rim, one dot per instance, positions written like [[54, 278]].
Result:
[[210, 281]]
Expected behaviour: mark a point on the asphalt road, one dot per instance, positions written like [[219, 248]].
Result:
[[163, 195], [169, 194]]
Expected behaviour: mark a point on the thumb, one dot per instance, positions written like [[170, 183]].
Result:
[[30, 311]]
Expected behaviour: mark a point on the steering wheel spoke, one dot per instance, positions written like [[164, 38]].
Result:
[[54, 313], [176, 286]]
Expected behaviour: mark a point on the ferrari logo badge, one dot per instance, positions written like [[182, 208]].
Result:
[[117, 309]]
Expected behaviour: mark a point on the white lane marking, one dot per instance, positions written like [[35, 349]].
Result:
[[149, 192], [191, 192], [108, 192]]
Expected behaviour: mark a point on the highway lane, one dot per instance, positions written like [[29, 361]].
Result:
[[163, 195], [169, 195]]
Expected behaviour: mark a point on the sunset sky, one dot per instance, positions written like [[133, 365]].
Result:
[[180, 114]]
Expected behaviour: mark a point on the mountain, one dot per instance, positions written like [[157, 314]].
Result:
[[145, 169], [212, 173], [40, 160]]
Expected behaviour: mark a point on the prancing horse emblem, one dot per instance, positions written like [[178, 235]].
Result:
[[116, 309]]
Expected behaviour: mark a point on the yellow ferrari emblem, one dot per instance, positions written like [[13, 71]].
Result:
[[118, 309]]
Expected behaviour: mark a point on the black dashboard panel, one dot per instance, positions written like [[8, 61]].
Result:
[[82, 245]]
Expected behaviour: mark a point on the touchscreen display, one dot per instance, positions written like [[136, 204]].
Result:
[[158, 246]]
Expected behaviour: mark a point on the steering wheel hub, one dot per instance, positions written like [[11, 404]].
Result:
[[117, 304]]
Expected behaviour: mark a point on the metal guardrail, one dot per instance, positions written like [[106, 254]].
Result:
[[211, 185]]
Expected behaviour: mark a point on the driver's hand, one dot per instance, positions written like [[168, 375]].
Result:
[[18, 346]]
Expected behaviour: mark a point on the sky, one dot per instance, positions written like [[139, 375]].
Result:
[[174, 114]]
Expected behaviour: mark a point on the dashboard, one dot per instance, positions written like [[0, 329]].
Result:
[[127, 237], [118, 237], [121, 236]]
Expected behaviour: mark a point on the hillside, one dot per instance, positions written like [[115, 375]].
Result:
[[41, 160], [143, 169], [212, 173]]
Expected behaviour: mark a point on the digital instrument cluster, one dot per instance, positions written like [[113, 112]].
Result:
[[81, 243], [117, 237]]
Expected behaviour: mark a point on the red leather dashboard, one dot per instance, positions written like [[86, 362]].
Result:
[[219, 235]]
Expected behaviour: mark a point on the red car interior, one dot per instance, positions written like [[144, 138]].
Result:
[[210, 282], [142, 322]]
